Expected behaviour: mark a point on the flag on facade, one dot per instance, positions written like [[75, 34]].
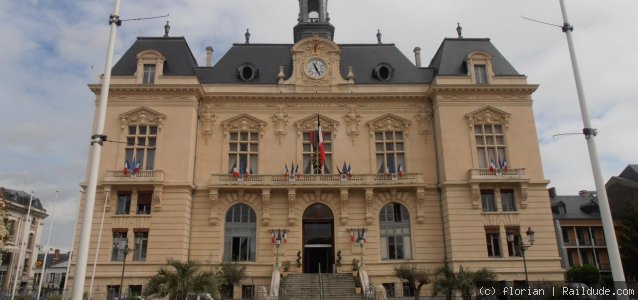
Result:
[[363, 235], [504, 165], [492, 165], [349, 171], [344, 168], [400, 170], [286, 170], [137, 167], [234, 170], [279, 234], [272, 236], [247, 171], [352, 235], [285, 236], [126, 167], [297, 169], [387, 171], [321, 145]]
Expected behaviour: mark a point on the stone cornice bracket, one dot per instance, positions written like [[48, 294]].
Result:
[[109, 197], [310, 124], [207, 120], [244, 122], [157, 197], [524, 195], [388, 122], [265, 204], [142, 116], [353, 120], [292, 213], [476, 195], [369, 199], [344, 206], [424, 121], [280, 123], [213, 196], [488, 115], [420, 203]]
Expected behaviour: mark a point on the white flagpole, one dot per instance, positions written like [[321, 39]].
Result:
[[68, 264], [23, 245], [96, 143], [99, 240], [46, 249], [590, 136]]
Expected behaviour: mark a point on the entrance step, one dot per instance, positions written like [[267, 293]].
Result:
[[307, 286]]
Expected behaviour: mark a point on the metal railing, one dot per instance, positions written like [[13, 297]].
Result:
[[320, 283], [316, 179], [144, 174], [497, 172]]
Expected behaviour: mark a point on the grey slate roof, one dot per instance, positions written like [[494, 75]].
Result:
[[630, 173], [266, 58], [62, 257], [179, 58], [576, 207], [21, 197], [449, 59]]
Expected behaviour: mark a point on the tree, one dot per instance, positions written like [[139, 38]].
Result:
[[587, 274], [230, 274], [179, 279], [414, 276], [464, 281], [628, 235]]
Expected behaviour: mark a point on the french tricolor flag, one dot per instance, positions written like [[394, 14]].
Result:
[[234, 171], [492, 165], [504, 165]]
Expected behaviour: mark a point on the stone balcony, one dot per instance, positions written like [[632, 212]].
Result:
[[143, 176], [485, 175], [317, 181]]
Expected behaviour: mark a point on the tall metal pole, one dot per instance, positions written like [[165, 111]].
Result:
[[96, 143], [46, 249], [97, 248], [68, 264], [590, 136], [23, 245]]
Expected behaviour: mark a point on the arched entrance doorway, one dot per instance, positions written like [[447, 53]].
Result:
[[318, 239]]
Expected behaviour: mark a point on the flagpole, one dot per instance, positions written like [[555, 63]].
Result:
[[25, 232], [46, 249], [590, 136], [96, 143], [68, 264], [99, 240]]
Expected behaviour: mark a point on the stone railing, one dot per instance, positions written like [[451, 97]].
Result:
[[317, 180], [516, 174], [142, 175]]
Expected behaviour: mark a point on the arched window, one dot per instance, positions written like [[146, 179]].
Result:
[[240, 233], [394, 223]]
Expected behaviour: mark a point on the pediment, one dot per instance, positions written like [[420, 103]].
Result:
[[310, 123], [488, 115], [388, 122], [244, 122], [142, 116]]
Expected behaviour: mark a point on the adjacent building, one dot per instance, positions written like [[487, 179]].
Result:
[[435, 162], [16, 219], [55, 268]]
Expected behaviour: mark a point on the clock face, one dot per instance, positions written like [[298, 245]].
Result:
[[316, 68]]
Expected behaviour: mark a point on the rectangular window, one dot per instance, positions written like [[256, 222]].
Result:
[[582, 233], [149, 74], [492, 237], [480, 74], [123, 203], [120, 240], [507, 200], [311, 153], [408, 291], [141, 246], [389, 289], [144, 200], [488, 200], [141, 141], [565, 232], [112, 292], [243, 150], [248, 292], [390, 152], [514, 246], [490, 145], [242, 248]]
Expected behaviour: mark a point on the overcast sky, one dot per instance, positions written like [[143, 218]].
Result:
[[52, 49]]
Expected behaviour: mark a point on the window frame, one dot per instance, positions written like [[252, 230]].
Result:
[[149, 71], [118, 235], [308, 143], [396, 236], [508, 204], [388, 147], [493, 242], [141, 245], [488, 205], [141, 140], [240, 234], [489, 148], [122, 206], [248, 158]]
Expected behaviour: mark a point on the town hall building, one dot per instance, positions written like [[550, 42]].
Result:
[[346, 153]]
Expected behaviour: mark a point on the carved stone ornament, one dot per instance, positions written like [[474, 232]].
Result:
[[344, 206], [424, 121], [207, 121], [388, 122], [488, 115], [213, 196], [476, 195], [244, 122], [310, 124], [265, 202], [142, 116], [292, 212], [280, 123], [157, 197], [420, 205], [524, 195], [369, 200], [353, 119]]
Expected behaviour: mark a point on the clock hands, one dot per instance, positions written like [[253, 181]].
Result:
[[316, 68]]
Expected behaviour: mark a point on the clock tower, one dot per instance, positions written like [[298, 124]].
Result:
[[313, 20]]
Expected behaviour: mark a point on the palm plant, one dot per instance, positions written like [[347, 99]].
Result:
[[464, 281], [180, 279], [414, 276]]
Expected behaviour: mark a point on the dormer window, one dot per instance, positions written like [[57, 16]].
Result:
[[480, 74], [149, 74], [479, 67], [150, 66]]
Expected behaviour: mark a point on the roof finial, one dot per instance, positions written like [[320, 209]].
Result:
[[167, 28], [459, 30], [247, 35], [379, 36]]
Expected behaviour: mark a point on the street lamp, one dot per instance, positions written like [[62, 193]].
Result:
[[123, 246], [277, 245], [360, 241], [522, 246]]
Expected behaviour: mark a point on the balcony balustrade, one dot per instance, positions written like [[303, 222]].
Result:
[[487, 175], [309, 180], [140, 176]]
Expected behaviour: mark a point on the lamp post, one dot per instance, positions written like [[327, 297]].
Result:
[[277, 245], [360, 241], [522, 246], [123, 246]]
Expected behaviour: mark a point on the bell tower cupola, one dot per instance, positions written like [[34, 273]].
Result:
[[313, 20]]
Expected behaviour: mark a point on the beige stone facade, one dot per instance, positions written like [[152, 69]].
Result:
[[450, 205]]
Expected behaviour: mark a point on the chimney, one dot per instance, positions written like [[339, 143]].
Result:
[[209, 56], [417, 56], [552, 192]]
